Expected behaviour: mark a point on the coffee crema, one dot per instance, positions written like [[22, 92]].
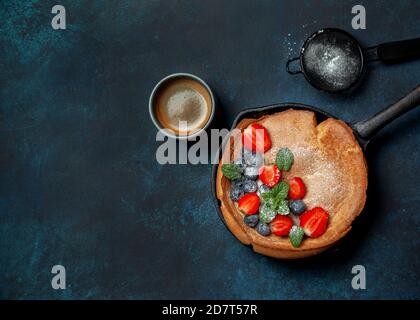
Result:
[[183, 105]]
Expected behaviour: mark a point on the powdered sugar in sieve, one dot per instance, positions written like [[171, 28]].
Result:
[[332, 61]]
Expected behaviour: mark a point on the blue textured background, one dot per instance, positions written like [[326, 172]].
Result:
[[79, 184]]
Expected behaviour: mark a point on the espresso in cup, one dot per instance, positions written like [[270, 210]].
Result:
[[183, 104]]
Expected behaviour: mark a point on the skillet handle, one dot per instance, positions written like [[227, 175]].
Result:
[[392, 52], [399, 51], [366, 129]]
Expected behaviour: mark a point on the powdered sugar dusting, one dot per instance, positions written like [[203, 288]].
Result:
[[322, 177]]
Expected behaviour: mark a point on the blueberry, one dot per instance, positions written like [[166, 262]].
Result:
[[241, 165], [251, 173], [239, 161], [253, 159], [239, 183], [263, 189], [236, 193], [250, 186], [251, 221], [297, 206], [263, 229]]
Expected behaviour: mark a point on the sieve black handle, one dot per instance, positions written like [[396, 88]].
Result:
[[393, 52], [293, 72], [366, 129]]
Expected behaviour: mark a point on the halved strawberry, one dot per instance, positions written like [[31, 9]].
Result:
[[281, 225], [255, 137], [297, 189], [249, 203], [314, 222], [270, 175]]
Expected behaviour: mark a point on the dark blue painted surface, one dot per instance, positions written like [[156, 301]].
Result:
[[79, 184]]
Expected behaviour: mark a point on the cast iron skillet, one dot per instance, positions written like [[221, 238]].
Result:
[[363, 130]]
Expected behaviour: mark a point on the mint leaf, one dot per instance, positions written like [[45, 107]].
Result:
[[283, 208], [279, 195], [281, 190], [284, 159], [267, 214], [266, 197], [275, 203], [296, 236], [231, 171], [276, 198]]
